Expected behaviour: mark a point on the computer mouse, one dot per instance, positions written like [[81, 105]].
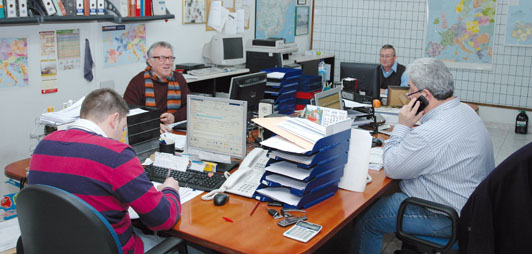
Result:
[[220, 199], [376, 142]]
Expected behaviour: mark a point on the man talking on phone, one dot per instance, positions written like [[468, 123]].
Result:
[[441, 160]]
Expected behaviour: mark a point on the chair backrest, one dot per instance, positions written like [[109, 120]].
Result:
[[52, 220]]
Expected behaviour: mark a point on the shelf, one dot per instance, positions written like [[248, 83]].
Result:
[[51, 19], [141, 19], [16, 21]]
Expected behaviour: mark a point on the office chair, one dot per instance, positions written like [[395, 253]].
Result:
[[52, 220]]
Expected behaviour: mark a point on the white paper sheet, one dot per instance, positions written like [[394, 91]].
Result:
[[303, 159], [289, 169], [217, 15], [288, 182], [175, 162], [280, 143], [9, 233], [280, 194]]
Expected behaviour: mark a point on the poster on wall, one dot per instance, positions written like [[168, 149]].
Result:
[[275, 19], [124, 44], [519, 23], [461, 33], [13, 62], [48, 62], [194, 12], [68, 49]]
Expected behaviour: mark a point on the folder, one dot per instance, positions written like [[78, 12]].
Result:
[[22, 8], [86, 7], [100, 7], [147, 7], [131, 8], [56, 6], [159, 7], [137, 7], [80, 5], [49, 7], [92, 7], [11, 8], [70, 7], [2, 9], [61, 9]]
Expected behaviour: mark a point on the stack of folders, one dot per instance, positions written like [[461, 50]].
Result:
[[281, 86], [13, 8], [308, 162]]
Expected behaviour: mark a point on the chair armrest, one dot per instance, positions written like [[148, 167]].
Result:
[[170, 243], [447, 210]]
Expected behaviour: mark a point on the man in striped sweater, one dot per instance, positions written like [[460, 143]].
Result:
[[89, 161], [442, 160]]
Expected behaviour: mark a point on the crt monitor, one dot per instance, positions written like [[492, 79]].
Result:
[[225, 50], [329, 99], [216, 126], [249, 87], [366, 75]]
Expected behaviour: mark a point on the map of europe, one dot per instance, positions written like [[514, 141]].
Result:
[[124, 44], [519, 25], [275, 19], [13, 62], [461, 31]]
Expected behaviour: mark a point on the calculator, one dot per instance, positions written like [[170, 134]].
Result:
[[303, 231]]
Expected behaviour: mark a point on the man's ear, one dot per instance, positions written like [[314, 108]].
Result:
[[428, 95], [114, 120]]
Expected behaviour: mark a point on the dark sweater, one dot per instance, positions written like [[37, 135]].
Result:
[[393, 80]]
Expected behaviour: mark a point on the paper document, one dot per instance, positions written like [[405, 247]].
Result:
[[275, 75], [288, 182], [375, 158], [217, 16], [9, 233], [136, 111], [185, 194], [64, 116], [280, 143], [289, 169], [175, 162], [354, 104], [303, 159], [270, 123], [302, 129], [281, 194]]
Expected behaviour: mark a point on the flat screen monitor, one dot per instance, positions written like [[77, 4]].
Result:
[[216, 125], [225, 50], [366, 75], [249, 87], [329, 99]]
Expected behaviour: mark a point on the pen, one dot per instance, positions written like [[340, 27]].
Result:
[[227, 219], [255, 208]]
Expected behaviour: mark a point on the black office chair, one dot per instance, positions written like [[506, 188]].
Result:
[[52, 220]]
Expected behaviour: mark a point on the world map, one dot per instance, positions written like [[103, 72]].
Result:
[[519, 24], [13, 62], [124, 44], [461, 31], [275, 19]]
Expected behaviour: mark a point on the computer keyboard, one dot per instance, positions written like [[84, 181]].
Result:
[[190, 178], [205, 71]]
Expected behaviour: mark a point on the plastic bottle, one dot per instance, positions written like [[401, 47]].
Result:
[[322, 73], [521, 123]]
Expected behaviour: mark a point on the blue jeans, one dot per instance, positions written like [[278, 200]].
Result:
[[382, 217]]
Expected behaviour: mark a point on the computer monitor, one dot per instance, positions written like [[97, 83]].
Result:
[[249, 87], [366, 75], [217, 126], [225, 50], [329, 99]]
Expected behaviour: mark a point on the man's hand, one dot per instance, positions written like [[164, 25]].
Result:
[[164, 128], [169, 182], [407, 114], [167, 118]]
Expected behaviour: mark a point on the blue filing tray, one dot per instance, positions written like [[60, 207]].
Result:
[[288, 72], [307, 200], [325, 154], [309, 83], [330, 177], [283, 91]]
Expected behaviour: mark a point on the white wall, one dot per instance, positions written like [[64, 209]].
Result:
[[21, 107]]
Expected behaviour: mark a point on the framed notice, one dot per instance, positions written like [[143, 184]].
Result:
[[194, 12], [302, 20], [301, 2]]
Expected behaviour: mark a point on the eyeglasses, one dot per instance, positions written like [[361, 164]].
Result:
[[387, 56], [418, 91], [164, 58]]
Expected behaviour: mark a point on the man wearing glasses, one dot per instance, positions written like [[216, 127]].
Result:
[[390, 73], [160, 86], [442, 160]]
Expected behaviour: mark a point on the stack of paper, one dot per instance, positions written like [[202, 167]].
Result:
[[64, 116]]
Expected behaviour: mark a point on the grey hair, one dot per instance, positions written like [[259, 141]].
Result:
[[100, 103], [433, 75], [160, 44], [388, 46]]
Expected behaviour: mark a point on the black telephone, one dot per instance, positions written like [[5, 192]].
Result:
[[423, 103]]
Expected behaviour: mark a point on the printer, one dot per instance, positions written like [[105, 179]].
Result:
[[269, 53]]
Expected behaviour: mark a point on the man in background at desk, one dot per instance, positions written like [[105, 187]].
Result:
[[159, 85], [442, 160], [390, 73], [89, 161]]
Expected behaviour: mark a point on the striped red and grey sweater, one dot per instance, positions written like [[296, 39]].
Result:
[[106, 174]]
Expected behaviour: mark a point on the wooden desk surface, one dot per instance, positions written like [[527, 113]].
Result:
[[202, 223], [17, 170]]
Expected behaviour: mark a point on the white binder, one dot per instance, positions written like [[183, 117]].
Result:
[[48, 7], [159, 7], [100, 6], [22, 8], [79, 8], [11, 8], [92, 7]]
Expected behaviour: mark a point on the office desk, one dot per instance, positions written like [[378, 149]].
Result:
[[212, 83], [202, 223]]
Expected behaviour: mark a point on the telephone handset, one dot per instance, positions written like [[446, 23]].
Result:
[[423, 103], [247, 177]]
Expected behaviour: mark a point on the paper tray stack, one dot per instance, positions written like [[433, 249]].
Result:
[[282, 85], [301, 180]]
